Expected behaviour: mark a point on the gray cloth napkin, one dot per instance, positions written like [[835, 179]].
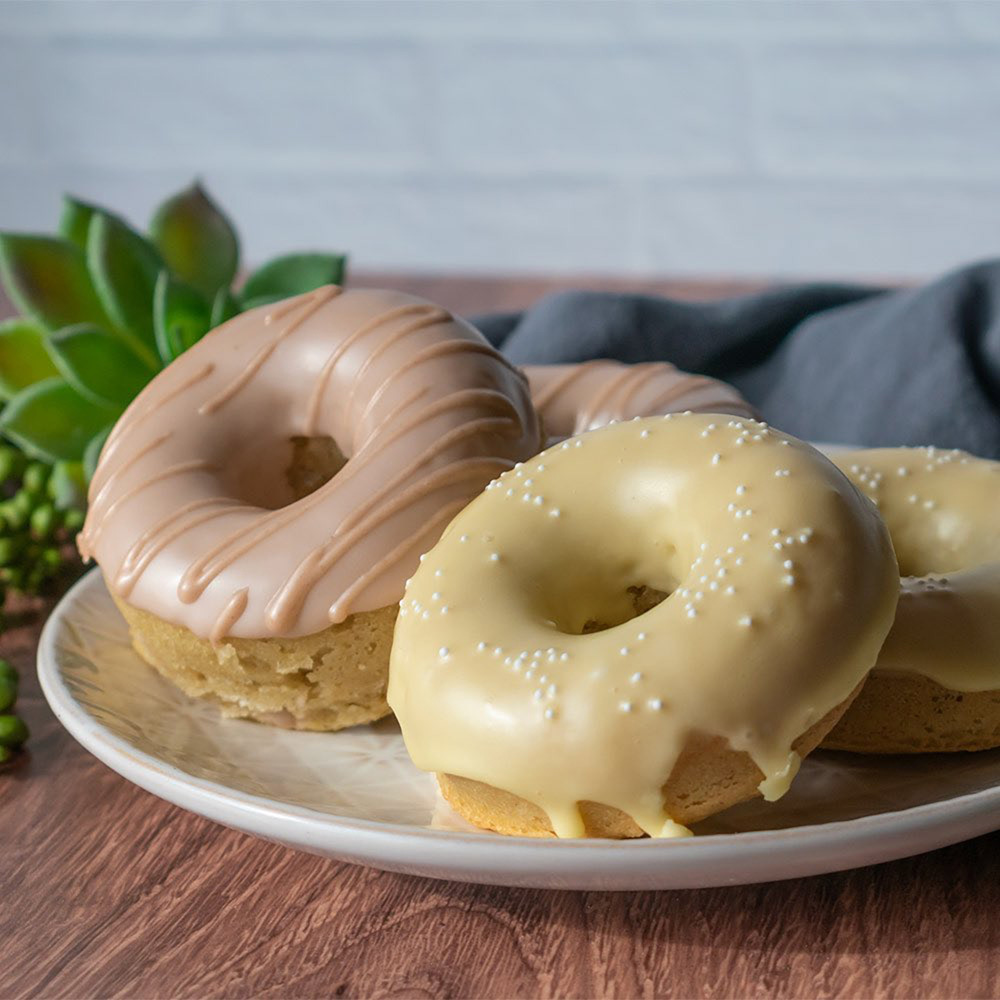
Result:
[[833, 363]]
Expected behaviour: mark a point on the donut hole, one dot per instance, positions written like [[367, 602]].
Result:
[[314, 462], [615, 610], [275, 473]]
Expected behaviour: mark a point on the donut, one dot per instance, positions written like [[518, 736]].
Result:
[[548, 701], [571, 399], [256, 510], [936, 684]]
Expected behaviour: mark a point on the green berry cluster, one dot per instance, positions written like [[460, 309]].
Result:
[[35, 526], [13, 731]]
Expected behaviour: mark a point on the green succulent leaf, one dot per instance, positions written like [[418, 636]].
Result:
[[124, 267], [23, 357], [67, 487], [74, 221], [181, 316], [196, 239], [224, 307], [261, 300], [292, 275], [46, 278], [100, 366], [52, 421], [92, 453]]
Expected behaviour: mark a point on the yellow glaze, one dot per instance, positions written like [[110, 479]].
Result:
[[943, 512], [782, 587]]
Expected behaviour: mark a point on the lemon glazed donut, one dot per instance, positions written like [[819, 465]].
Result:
[[936, 685], [571, 399], [545, 704], [258, 507]]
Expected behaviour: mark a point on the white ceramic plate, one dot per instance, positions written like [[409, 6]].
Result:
[[355, 796]]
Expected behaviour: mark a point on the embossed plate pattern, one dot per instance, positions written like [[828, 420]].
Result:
[[355, 796]]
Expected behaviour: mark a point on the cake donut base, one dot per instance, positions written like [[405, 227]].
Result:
[[909, 713], [709, 776], [325, 681]]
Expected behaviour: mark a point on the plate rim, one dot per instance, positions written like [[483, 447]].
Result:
[[365, 841]]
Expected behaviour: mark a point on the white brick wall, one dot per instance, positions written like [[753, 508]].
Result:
[[732, 138]]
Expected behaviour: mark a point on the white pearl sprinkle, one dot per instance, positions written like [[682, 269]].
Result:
[[788, 564], [539, 501], [494, 557], [482, 646], [625, 706], [691, 613], [426, 616], [555, 512], [788, 580], [716, 458], [623, 651], [529, 482], [644, 433], [641, 636], [636, 677], [463, 538], [745, 536], [740, 490], [443, 652], [656, 704]]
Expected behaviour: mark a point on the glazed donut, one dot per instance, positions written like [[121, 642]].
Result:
[[571, 399], [936, 685], [545, 704], [258, 507]]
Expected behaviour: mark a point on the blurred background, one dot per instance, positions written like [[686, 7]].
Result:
[[714, 139]]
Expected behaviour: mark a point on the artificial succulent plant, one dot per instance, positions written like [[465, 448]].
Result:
[[103, 308]]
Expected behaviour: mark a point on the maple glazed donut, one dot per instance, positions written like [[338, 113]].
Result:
[[545, 704], [258, 507], [936, 685], [571, 399]]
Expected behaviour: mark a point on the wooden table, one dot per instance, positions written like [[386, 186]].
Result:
[[105, 890]]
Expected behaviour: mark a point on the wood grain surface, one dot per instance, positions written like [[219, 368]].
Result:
[[107, 891]]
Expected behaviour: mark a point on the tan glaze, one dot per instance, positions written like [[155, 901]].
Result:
[[782, 585], [943, 512], [192, 517], [572, 399]]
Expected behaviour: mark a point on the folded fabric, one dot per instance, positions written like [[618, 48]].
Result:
[[834, 363]]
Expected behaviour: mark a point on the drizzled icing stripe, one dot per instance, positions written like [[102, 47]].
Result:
[[574, 398], [190, 514], [316, 300]]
